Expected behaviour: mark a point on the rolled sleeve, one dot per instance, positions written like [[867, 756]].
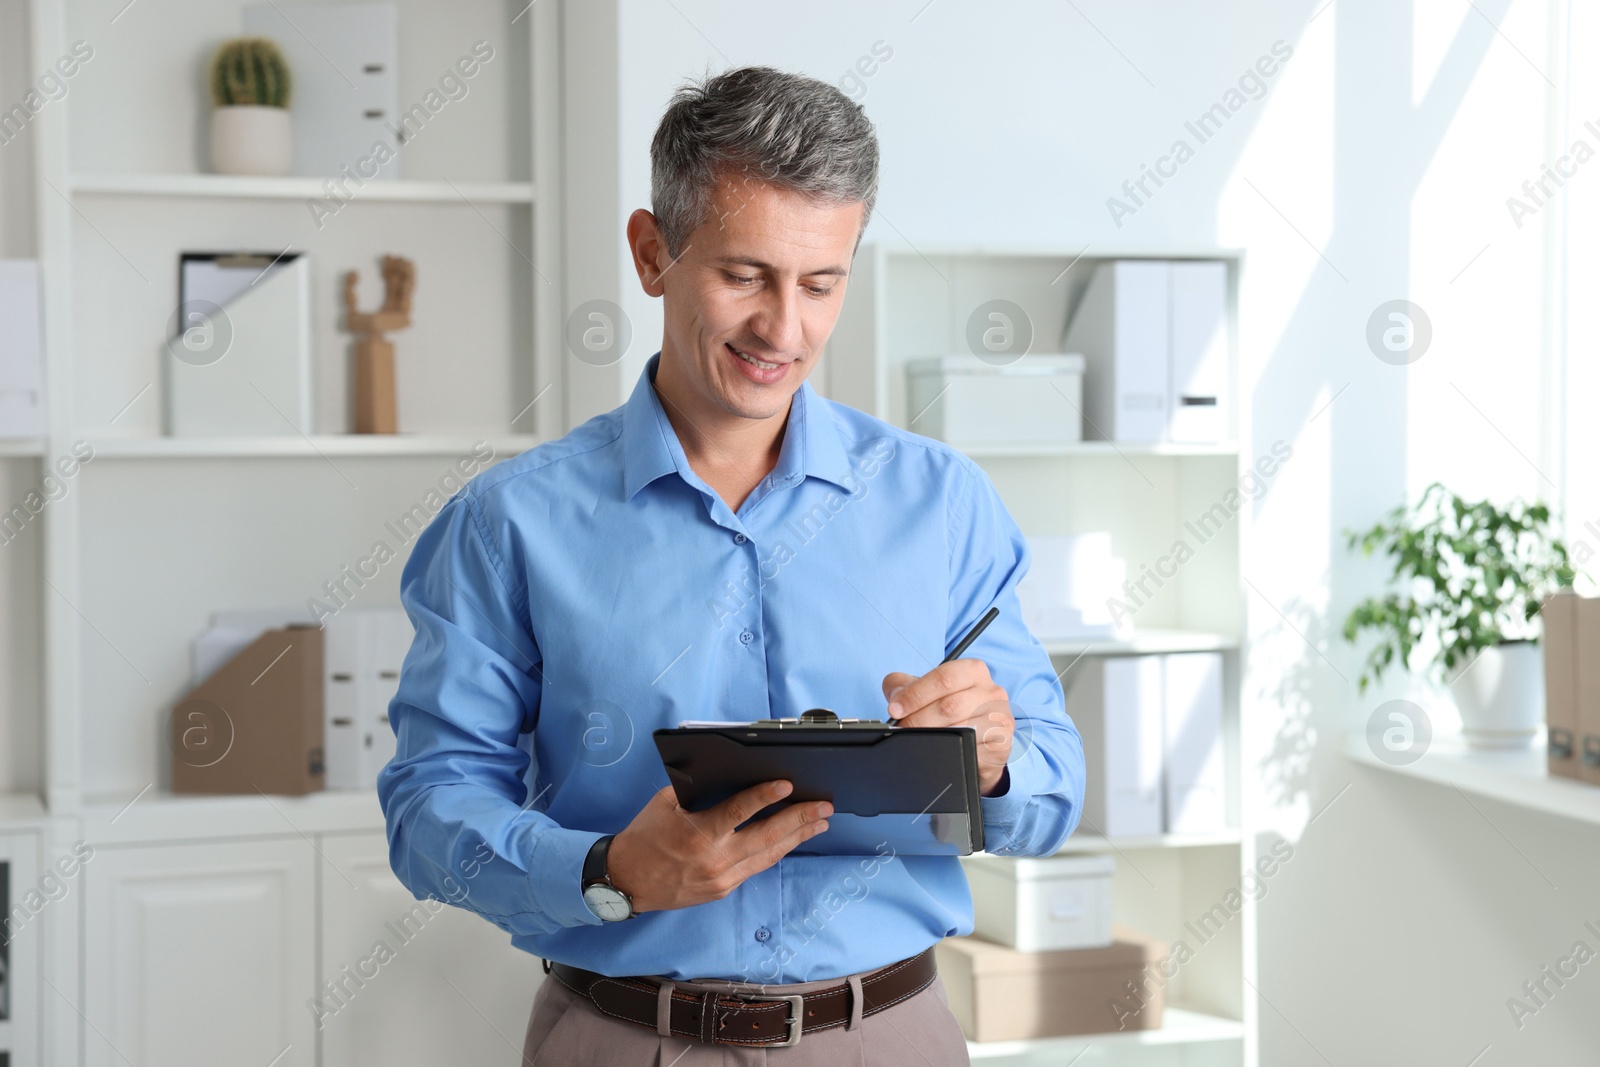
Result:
[[461, 827]]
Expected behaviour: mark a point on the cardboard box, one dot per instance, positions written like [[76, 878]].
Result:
[[255, 724], [1560, 615], [1001, 994], [1042, 904]]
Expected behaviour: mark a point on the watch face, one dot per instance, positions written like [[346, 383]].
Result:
[[608, 903]]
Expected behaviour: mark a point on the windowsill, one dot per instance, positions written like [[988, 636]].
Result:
[[1516, 777]]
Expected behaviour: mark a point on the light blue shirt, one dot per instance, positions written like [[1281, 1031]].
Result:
[[575, 598]]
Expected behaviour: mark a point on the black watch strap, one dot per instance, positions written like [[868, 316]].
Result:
[[594, 864]]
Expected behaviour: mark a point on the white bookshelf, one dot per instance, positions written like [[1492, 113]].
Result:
[[1180, 1027], [1141, 643], [290, 188], [157, 532], [909, 302], [309, 447]]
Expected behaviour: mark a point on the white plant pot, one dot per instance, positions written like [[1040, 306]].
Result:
[[1501, 696], [250, 139]]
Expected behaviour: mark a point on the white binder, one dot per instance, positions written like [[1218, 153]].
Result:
[[363, 650], [1116, 704], [21, 351], [1198, 293], [346, 96], [1196, 789], [1155, 337]]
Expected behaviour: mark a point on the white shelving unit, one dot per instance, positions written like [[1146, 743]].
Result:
[[909, 302], [131, 561], [310, 446], [22, 448], [223, 185]]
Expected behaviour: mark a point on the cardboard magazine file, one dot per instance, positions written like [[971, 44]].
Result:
[[255, 724], [1001, 994], [1587, 610], [1560, 615]]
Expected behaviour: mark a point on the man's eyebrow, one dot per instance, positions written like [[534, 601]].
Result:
[[759, 264]]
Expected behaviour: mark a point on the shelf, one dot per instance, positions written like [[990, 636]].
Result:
[[308, 447], [160, 816], [1094, 449], [1518, 778], [225, 185], [1142, 643], [1180, 1026], [21, 447], [1079, 844], [20, 809]]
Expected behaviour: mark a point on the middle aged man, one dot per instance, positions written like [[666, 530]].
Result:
[[726, 545]]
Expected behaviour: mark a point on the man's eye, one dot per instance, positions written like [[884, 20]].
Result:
[[741, 279], [817, 290]]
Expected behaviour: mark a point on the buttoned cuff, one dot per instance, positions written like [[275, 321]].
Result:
[[1001, 814], [557, 873]]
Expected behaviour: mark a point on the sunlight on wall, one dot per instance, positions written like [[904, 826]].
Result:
[[1582, 385], [1288, 677], [1474, 395], [1434, 24], [1289, 159]]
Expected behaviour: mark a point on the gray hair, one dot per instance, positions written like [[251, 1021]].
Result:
[[786, 129]]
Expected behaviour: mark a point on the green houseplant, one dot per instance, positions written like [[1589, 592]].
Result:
[[250, 90], [1468, 581]]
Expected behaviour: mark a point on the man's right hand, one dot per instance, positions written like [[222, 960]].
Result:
[[671, 858]]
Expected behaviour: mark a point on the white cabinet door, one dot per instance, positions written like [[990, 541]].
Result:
[[408, 983], [200, 954]]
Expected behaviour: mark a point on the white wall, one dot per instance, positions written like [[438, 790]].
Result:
[[1377, 167]]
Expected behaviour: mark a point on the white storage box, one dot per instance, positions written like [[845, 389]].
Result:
[[1040, 905], [1038, 400]]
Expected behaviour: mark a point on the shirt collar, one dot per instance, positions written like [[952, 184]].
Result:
[[650, 446]]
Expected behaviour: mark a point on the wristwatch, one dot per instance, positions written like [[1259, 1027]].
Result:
[[608, 902]]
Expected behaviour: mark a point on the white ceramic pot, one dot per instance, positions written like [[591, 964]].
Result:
[[249, 139], [1501, 696]]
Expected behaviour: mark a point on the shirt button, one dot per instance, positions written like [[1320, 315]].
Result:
[[747, 637], [763, 934], [739, 538]]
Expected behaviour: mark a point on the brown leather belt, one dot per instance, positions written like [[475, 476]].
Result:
[[727, 1018]]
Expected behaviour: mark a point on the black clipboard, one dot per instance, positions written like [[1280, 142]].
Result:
[[913, 790]]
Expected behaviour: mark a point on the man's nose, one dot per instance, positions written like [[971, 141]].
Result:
[[778, 322]]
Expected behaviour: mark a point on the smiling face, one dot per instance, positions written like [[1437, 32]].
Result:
[[750, 302]]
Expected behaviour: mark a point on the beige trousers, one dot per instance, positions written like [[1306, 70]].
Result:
[[566, 1030]]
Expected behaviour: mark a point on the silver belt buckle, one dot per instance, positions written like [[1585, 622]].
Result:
[[797, 1012]]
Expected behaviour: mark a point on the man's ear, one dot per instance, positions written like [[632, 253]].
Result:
[[649, 250]]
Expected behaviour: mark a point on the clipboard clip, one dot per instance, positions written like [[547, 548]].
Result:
[[813, 719]]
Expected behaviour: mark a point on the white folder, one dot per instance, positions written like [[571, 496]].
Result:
[[261, 382], [1121, 327], [1196, 797], [1116, 703], [21, 352], [1198, 323], [346, 98]]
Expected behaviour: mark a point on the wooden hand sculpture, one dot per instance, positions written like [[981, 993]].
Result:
[[375, 404]]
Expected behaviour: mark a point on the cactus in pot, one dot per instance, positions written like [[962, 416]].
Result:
[[250, 88]]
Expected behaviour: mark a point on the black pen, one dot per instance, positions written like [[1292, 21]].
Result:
[[966, 642], [972, 634]]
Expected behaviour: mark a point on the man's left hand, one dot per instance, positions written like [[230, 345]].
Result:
[[958, 693]]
